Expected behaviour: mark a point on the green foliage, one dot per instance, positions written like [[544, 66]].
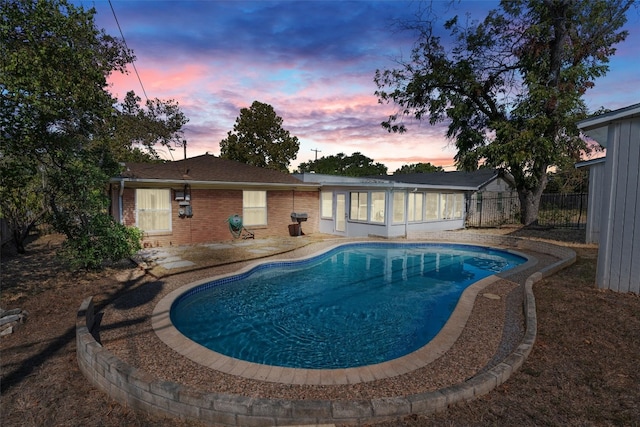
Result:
[[418, 168], [355, 165], [134, 131], [62, 137], [102, 240], [569, 180], [258, 139], [552, 214], [54, 74], [78, 208], [21, 197], [511, 86]]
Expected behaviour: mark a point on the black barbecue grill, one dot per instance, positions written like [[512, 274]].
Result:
[[297, 217]]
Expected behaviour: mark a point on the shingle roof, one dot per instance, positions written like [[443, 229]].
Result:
[[206, 168], [475, 179]]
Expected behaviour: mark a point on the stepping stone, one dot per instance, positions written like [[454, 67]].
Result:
[[155, 255], [168, 259], [258, 251], [244, 243], [218, 246], [177, 264]]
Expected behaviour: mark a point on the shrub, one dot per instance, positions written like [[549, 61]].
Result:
[[105, 240]]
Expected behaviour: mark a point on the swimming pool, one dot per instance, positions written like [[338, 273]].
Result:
[[357, 304]]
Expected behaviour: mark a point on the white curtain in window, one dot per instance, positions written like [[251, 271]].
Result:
[[326, 204], [415, 206], [377, 206], [432, 206], [254, 208], [459, 205], [451, 205], [446, 206], [153, 209], [359, 206], [398, 207]]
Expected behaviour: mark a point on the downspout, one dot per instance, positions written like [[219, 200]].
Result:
[[120, 210]]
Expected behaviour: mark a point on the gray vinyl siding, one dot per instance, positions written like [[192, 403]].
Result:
[[619, 245], [595, 203]]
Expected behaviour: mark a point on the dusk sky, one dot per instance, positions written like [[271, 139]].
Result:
[[312, 61]]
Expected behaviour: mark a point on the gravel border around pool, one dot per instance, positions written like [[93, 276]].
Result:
[[136, 368]]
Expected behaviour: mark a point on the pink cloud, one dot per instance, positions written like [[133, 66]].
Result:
[[335, 113]]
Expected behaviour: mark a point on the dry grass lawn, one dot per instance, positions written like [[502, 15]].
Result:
[[583, 371]]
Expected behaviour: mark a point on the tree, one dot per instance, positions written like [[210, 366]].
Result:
[[22, 198], [258, 139], [570, 180], [57, 126], [134, 131], [418, 168], [355, 165], [510, 86]]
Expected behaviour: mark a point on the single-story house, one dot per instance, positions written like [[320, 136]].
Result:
[[395, 205], [614, 190], [190, 201]]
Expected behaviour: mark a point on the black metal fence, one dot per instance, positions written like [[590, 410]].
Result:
[[493, 209]]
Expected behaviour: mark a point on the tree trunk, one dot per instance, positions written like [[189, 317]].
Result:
[[19, 236], [21, 232], [529, 207]]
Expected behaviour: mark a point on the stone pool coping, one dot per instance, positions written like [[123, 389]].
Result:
[[438, 346], [137, 389]]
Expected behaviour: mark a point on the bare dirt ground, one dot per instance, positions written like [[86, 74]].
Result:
[[583, 371]]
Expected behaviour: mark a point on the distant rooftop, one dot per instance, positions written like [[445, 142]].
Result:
[[452, 180], [474, 179], [206, 168]]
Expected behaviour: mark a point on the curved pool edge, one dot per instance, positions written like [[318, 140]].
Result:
[[139, 390], [435, 348]]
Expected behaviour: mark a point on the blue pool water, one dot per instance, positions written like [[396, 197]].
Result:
[[358, 304]]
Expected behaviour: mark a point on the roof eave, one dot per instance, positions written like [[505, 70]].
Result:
[[588, 163], [597, 127], [399, 185], [213, 184]]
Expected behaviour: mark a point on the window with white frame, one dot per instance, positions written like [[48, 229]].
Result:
[[377, 206], [446, 206], [414, 208], [451, 205], [398, 207], [254, 208], [359, 204], [153, 210], [326, 204], [431, 206], [458, 210]]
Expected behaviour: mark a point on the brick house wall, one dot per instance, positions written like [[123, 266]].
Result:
[[212, 207]]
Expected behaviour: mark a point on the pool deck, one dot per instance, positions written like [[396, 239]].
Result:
[[144, 363]]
